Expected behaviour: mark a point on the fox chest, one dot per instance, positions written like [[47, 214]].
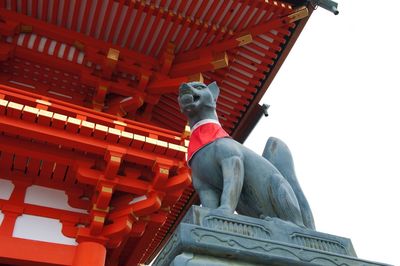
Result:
[[206, 168]]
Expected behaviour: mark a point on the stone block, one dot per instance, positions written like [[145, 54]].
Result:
[[206, 237]]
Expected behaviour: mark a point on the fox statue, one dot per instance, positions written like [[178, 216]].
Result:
[[230, 177]]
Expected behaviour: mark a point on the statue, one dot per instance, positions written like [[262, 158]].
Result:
[[228, 176], [274, 225]]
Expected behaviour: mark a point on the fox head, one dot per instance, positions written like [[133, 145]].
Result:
[[198, 101]]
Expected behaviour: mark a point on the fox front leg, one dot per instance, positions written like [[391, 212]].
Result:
[[233, 175], [209, 196]]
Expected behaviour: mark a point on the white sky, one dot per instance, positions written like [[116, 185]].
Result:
[[335, 102]]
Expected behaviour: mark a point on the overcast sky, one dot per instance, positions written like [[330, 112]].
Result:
[[336, 103]]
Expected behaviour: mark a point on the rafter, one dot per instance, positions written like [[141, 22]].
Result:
[[245, 37], [71, 37], [170, 85]]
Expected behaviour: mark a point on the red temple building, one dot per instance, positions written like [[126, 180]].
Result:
[[92, 144]]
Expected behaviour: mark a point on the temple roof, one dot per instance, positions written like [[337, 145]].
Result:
[[128, 58]]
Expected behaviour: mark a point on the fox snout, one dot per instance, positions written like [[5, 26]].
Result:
[[185, 89]]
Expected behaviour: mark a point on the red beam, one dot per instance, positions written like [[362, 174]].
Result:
[[90, 145], [207, 62], [42, 151], [164, 86], [34, 253], [130, 184], [42, 211], [87, 77], [93, 116]]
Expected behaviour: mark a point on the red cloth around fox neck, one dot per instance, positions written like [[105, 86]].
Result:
[[203, 133]]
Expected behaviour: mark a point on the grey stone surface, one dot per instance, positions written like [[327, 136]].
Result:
[[206, 237], [228, 176]]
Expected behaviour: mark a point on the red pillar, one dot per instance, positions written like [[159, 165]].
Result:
[[89, 253], [13, 208]]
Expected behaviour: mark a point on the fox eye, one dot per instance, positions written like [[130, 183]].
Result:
[[199, 86]]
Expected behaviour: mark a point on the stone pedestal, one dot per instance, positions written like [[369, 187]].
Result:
[[206, 237]]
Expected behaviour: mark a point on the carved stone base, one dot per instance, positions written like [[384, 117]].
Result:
[[207, 237]]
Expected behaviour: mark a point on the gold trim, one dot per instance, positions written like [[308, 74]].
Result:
[[30, 109], [220, 60], [113, 54], [186, 132], [139, 137], [88, 124], [114, 131], [107, 189], [129, 224], [166, 208], [26, 28], [245, 39], [196, 77], [45, 113], [3, 102], [43, 102], [120, 123], [78, 45], [162, 143], [151, 141], [103, 88], [298, 14], [15, 105], [116, 160], [73, 120], [128, 135], [164, 171], [101, 210], [99, 219], [177, 147], [60, 117], [101, 128], [158, 200]]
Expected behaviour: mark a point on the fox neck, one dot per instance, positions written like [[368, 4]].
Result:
[[205, 114]]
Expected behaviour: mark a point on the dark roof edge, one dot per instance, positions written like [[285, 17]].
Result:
[[253, 115], [297, 2]]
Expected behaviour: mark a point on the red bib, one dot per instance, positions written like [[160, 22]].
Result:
[[204, 132]]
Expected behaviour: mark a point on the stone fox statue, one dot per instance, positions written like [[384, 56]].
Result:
[[228, 176]]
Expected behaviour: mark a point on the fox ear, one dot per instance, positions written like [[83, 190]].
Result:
[[214, 90]]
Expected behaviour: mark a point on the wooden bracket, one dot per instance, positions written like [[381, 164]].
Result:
[[245, 39], [298, 14], [161, 173], [99, 97]]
